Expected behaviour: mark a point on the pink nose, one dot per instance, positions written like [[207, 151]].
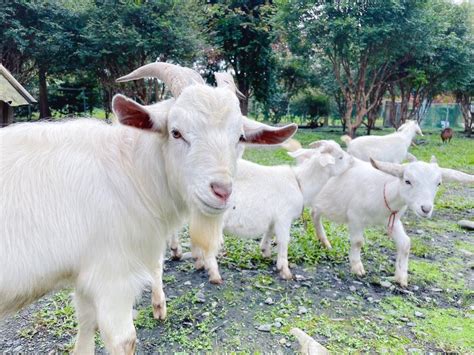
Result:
[[222, 191]]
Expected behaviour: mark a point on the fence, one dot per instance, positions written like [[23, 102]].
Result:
[[436, 114]]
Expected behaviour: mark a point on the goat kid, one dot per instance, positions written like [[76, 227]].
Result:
[[379, 193], [391, 148]]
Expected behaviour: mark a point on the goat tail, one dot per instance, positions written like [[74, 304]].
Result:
[[291, 145], [346, 139]]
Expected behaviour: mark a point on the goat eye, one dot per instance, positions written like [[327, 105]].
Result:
[[242, 138], [407, 182], [176, 134], [439, 184]]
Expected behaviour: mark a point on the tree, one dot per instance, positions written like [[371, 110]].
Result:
[[43, 33], [361, 41], [118, 37], [241, 32]]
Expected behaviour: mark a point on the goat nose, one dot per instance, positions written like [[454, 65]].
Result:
[[426, 208], [222, 191]]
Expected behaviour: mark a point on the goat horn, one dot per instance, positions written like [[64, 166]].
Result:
[[225, 80], [451, 175], [174, 76]]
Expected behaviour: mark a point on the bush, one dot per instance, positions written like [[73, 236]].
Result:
[[311, 105]]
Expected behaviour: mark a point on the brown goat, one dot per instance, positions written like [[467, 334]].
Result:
[[446, 135]]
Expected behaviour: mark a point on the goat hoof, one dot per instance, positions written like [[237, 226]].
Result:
[[358, 269], [327, 244], [402, 280], [266, 253], [216, 280], [199, 264], [176, 254], [286, 274], [159, 311]]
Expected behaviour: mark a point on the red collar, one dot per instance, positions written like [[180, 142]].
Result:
[[391, 218]]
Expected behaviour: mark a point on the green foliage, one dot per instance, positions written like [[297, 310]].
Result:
[[310, 103], [242, 34]]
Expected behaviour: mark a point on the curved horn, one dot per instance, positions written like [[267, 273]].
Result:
[[174, 76], [225, 80]]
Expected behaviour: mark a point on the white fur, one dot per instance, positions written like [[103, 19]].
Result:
[[90, 204], [356, 198], [390, 148], [267, 199]]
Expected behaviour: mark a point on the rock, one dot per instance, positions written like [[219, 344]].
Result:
[[277, 325], [414, 350], [352, 288], [282, 341], [201, 298], [350, 298], [265, 327], [464, 223], [404, 319], [269, 300], [435, 289], [187, 283], [415, 288], [411, 324], [419, 314], [206, 314], [385, 284], [419, 231], [302, 310], [370, 299], [279, 320], [306, 284], [300, 277]]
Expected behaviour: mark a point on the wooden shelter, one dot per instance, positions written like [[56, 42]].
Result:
[[12, 94]]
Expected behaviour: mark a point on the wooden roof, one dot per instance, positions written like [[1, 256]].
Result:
[[11, 90]]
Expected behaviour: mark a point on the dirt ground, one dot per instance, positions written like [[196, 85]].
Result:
[[343, 312]]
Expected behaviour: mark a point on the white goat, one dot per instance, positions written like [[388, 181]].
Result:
[[391, 148], [379, 194], [267, 199], [90, 204]]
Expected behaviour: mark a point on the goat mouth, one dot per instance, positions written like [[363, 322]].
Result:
[[211, 209]]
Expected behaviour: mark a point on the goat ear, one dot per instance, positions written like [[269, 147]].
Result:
[[133, 114], [433, 160], [389, 168], [259, 133], [301, 154], [317, 144], [451, 175], [326, 159]]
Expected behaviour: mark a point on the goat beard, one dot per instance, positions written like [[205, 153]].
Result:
[[206, 232]]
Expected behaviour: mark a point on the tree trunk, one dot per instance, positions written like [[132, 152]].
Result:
[[43, 94], [463, 99]]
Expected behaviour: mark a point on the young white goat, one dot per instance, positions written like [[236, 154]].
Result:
[[379, 194], [267, 199], [391, 148], [91, 204]]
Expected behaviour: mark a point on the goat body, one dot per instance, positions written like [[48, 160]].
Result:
[[392, 147], [366, 196], [89, 204]]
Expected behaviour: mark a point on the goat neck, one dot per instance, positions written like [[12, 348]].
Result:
[[310, 181]]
